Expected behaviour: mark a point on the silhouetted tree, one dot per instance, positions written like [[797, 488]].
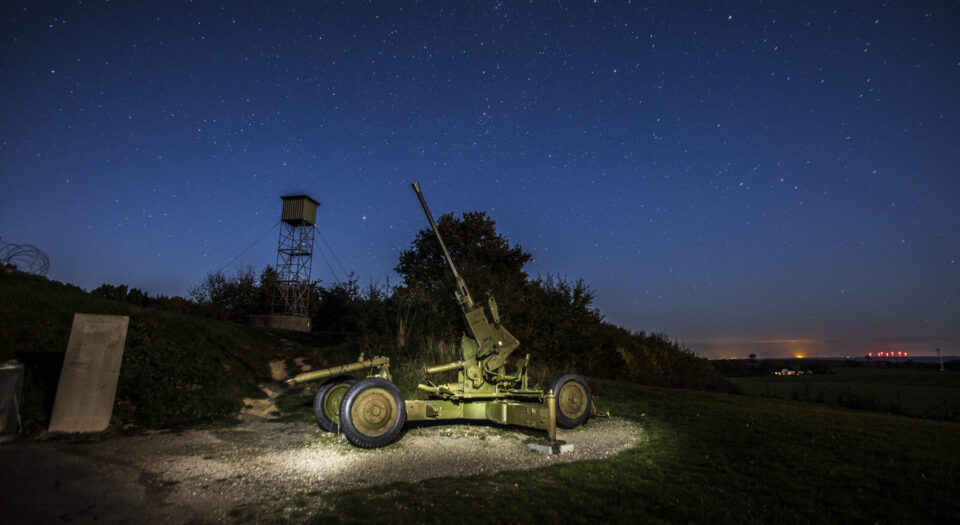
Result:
[[484, 258], [235, 296]]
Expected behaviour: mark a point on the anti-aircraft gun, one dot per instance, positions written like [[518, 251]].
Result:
[[371, 412]]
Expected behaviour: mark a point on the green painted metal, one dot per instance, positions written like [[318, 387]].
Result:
[[381, 364], [444, 368], [299, 210], [505, 412], [326, 402], [331, 402], [374, 412], [572, 399], [552, 414]]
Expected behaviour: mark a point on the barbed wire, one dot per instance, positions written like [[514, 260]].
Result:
[[24, 257]]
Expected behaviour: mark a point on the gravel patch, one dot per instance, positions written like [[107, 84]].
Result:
[[203, 474]]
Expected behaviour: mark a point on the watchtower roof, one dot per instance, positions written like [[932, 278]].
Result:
[[299, 210]]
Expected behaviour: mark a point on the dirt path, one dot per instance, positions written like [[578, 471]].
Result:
[[200, 475]]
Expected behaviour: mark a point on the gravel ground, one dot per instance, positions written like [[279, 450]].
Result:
[[200, 475]]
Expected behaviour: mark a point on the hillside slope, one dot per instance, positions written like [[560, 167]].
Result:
[[177, 368]]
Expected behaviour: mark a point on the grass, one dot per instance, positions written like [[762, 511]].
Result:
[[915, 392], [707, 458]]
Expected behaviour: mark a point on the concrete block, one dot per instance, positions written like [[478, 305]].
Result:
[[88, 380], [11, 390], [283, 322], [548, 448]]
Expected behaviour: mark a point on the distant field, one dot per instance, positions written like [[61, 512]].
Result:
[[922, 393]]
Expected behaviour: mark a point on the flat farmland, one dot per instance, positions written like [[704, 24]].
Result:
[[909, 391]]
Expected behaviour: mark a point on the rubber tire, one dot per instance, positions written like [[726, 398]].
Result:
[[323, 421], [563, 420], [349, 429]]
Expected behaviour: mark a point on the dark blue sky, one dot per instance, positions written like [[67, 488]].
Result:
[[747, 175]]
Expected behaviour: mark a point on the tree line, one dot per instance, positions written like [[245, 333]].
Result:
[[418, 321]]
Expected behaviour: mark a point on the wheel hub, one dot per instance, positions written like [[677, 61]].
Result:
[[332, 404], [373, 412], [571, 399]]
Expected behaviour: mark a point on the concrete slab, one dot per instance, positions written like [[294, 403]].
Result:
[[557, 447], [11, 390], [283, 322], [88, 380]]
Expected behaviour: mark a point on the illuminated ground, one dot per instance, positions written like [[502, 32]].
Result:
[[204, 474]]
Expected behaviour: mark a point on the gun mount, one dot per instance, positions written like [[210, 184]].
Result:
[[485, 388]]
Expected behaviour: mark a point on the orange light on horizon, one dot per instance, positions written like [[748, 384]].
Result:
[[890, 353]]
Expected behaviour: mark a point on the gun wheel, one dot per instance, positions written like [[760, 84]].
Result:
[[326, 404], [573, 400], [373, 413]]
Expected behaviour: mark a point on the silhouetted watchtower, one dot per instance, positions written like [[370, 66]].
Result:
[[295, 256]]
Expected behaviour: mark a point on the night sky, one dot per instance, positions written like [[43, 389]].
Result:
[[746, 176]]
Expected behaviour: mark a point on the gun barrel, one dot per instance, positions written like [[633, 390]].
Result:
[[336, 370], [443, 245]]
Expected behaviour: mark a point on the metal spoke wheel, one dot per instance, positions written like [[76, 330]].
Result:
[[372, 413], [573, 400], [326, 404]]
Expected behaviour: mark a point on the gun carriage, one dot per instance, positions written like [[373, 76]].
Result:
[[371, 412]]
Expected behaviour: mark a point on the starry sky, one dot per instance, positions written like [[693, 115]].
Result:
[[769, 177]]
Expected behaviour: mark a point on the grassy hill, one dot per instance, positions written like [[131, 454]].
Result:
[[705, 457], [177, 368]]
